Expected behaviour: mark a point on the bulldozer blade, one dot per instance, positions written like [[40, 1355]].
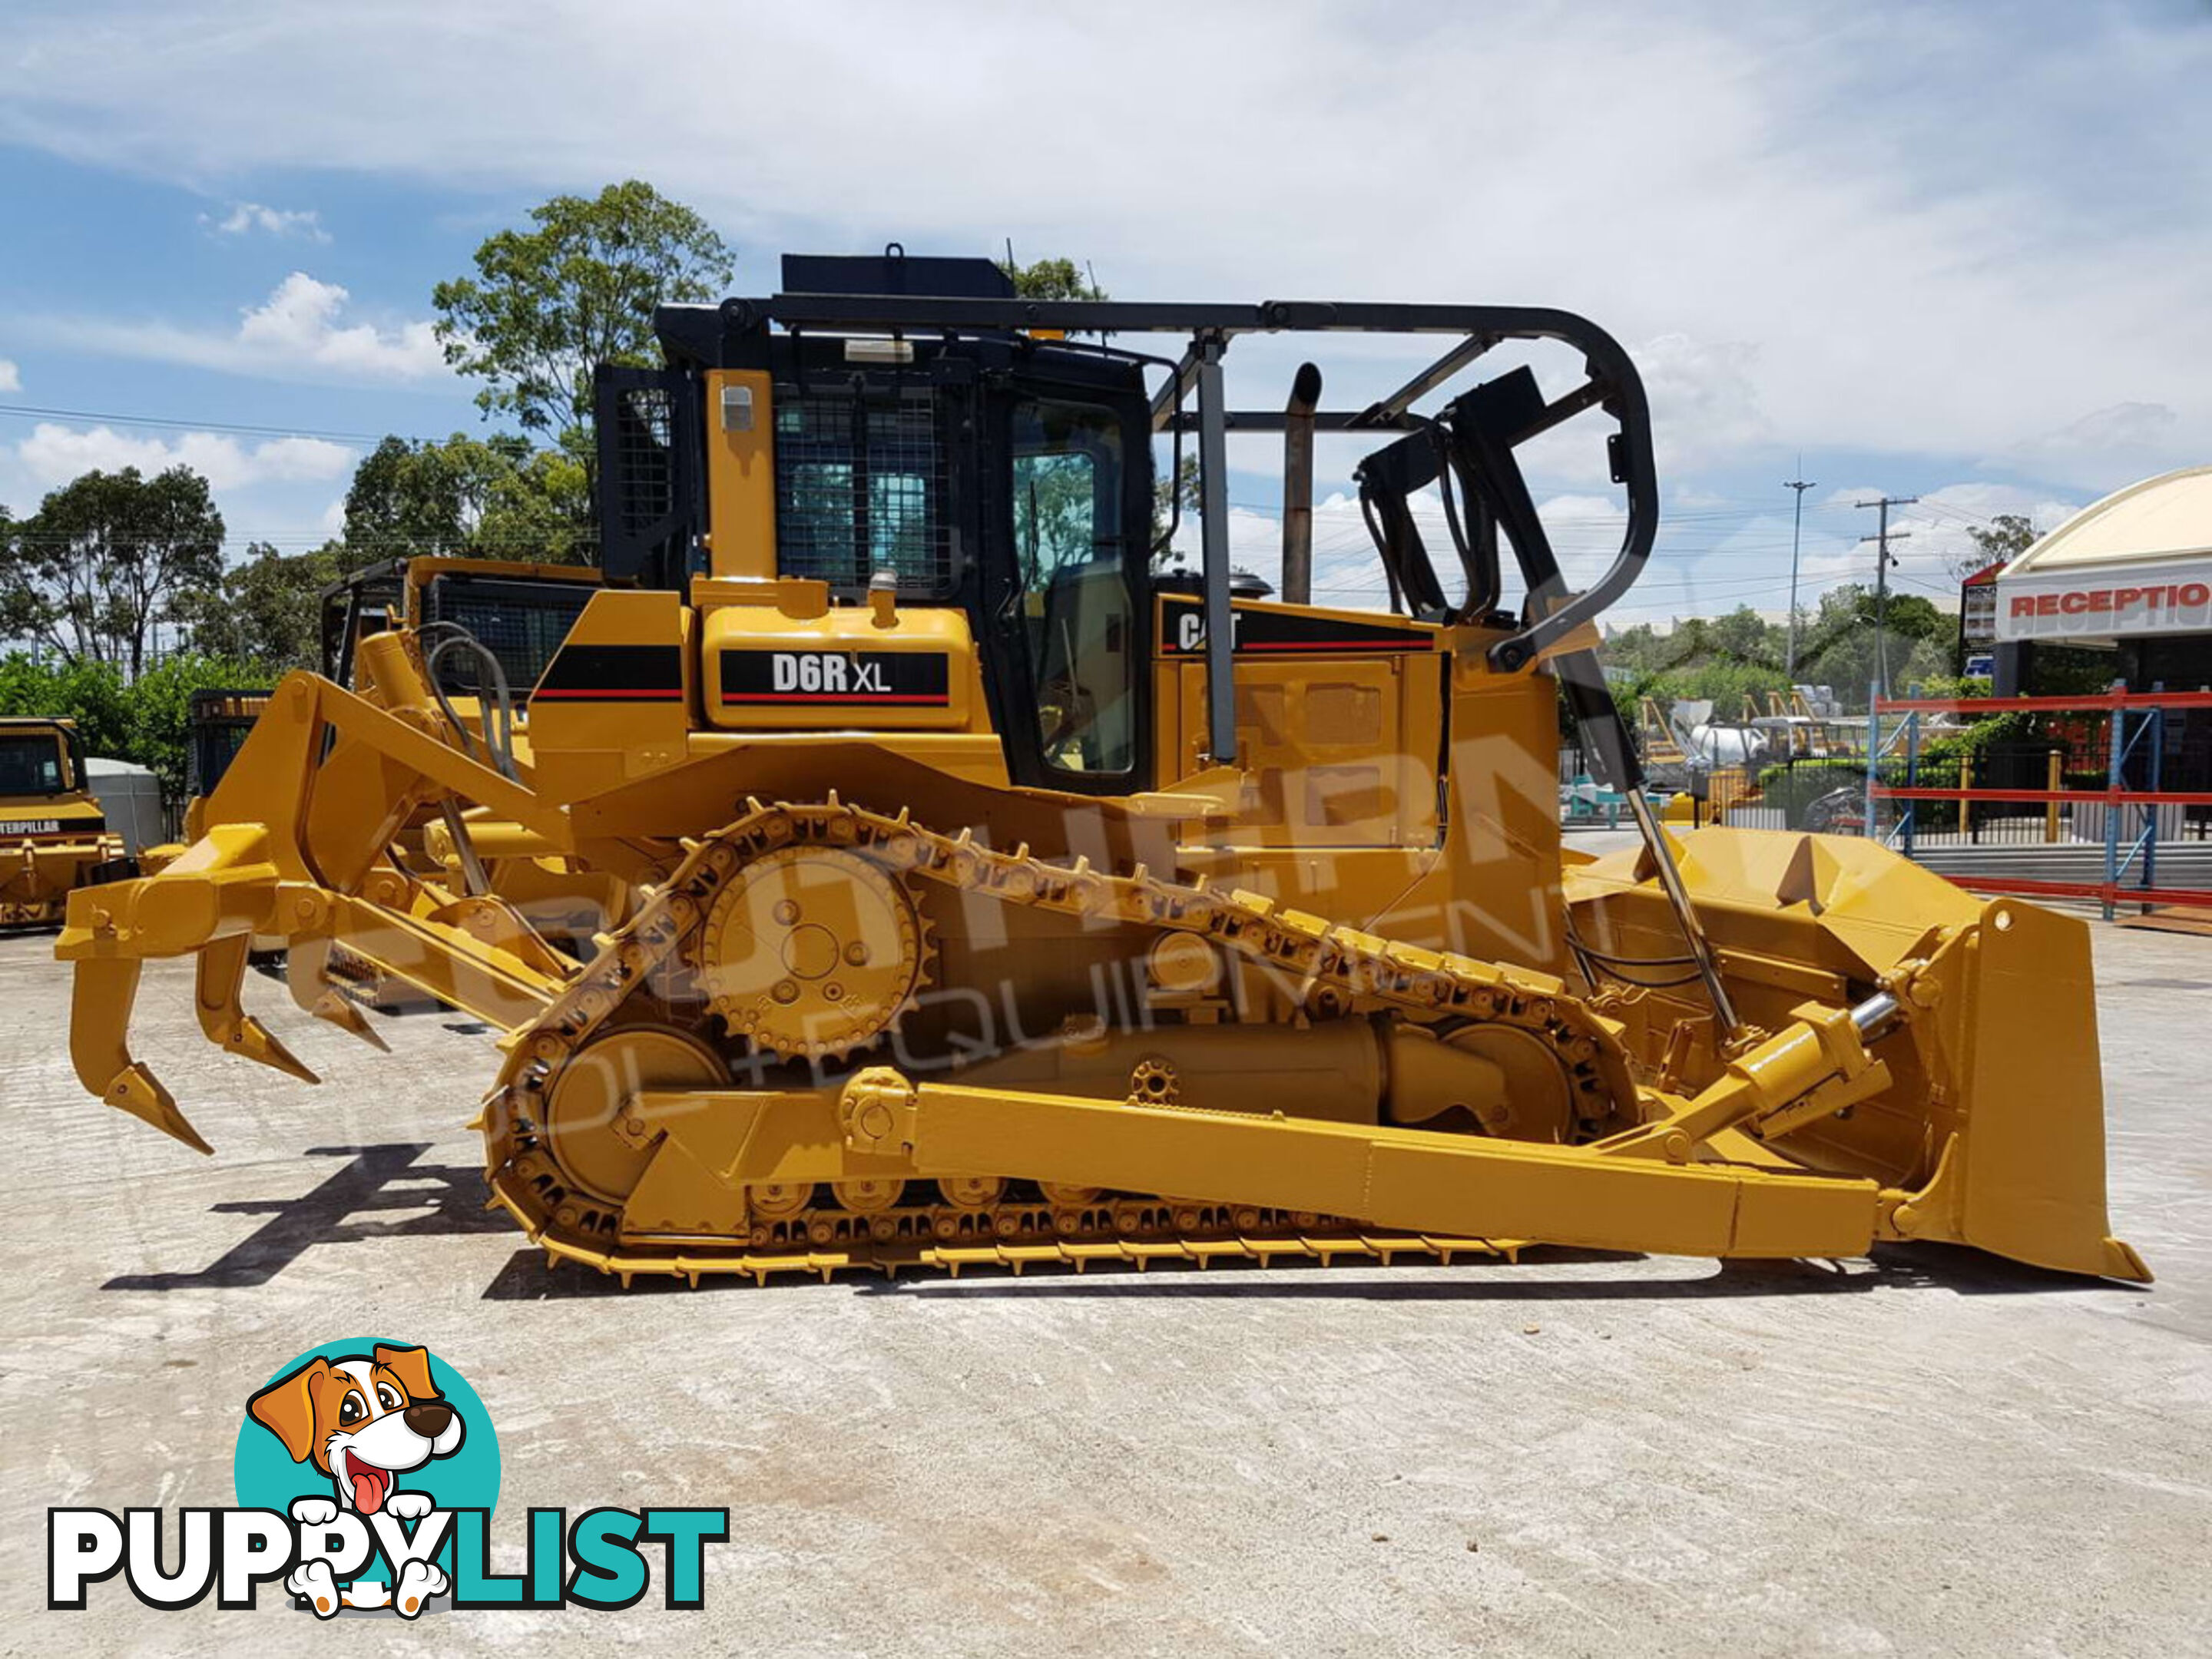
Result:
[[222, 973], [2028, 1180], [99, 1048], [1993, 1133]]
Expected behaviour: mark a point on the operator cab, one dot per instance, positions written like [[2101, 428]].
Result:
[[1002, 479], [40, 758]]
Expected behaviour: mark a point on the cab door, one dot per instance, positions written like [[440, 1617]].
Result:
[[1066, 584]]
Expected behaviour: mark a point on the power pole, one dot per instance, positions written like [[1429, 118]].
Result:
[[1796, 526], [1882, 562]]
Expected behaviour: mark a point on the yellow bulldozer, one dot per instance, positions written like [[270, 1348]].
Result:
[[1007, 898], [53, 832]]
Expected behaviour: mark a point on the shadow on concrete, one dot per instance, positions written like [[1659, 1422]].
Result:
[[1908, 1268], [527, 1276], [380, 1191]]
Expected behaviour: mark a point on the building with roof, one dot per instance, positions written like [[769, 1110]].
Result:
[[2132, 574]]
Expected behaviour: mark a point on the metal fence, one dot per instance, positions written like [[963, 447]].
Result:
[[2112, 793]]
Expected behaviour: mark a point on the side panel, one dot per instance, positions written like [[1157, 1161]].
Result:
[[1503, 843], [1338, 722], [618, 700]]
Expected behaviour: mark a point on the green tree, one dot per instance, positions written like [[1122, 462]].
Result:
[[106, 558], [1745, 637], [1910, 616], [2004, 539], [578, 289], [493, 498], [267, 611], [1838, 645], [1053, 279], [157, 730], [90, 693]]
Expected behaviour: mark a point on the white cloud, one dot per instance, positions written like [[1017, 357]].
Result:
[[10, 379], [1704, 399], [1940, 521], [2109, 447], [1929, 537], [301, 320], [54, 454], [298, 333], [299, 224]]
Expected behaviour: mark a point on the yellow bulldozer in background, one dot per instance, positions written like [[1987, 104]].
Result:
[[54, 833], [487, 629], [1005, 898]]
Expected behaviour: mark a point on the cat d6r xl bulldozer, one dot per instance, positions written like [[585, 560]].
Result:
[[1007, 898]]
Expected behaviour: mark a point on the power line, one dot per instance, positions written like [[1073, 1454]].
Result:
[[1941, 589], [33, 410]]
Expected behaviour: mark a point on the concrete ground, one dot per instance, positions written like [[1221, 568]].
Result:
[[1931, 1452]]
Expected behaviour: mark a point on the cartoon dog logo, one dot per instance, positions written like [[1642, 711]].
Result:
[[362, 1420]]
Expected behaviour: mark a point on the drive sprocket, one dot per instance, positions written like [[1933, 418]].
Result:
[[812, 951]]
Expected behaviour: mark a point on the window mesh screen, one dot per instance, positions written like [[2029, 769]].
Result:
[[645, 479], [522, 625], [859, 477]]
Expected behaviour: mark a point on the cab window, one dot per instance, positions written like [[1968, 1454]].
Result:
[[1078, 620], [860, 488], [31, 765]]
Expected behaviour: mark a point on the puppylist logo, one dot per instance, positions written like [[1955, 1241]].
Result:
[[367, 1472]]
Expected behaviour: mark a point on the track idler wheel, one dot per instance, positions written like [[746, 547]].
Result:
[[595, 1090]]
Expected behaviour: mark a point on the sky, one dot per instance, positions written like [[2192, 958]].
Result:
[[1959, 251]]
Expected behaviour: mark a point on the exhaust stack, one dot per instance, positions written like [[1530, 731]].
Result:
[[1297, 484]]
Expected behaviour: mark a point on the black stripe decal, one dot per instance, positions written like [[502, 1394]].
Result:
[[614, 673], [1286, 633]]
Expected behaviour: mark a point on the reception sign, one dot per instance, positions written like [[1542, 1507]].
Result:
[[2106, 600]]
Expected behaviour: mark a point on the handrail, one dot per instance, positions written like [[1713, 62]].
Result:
[[2090, 702]]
